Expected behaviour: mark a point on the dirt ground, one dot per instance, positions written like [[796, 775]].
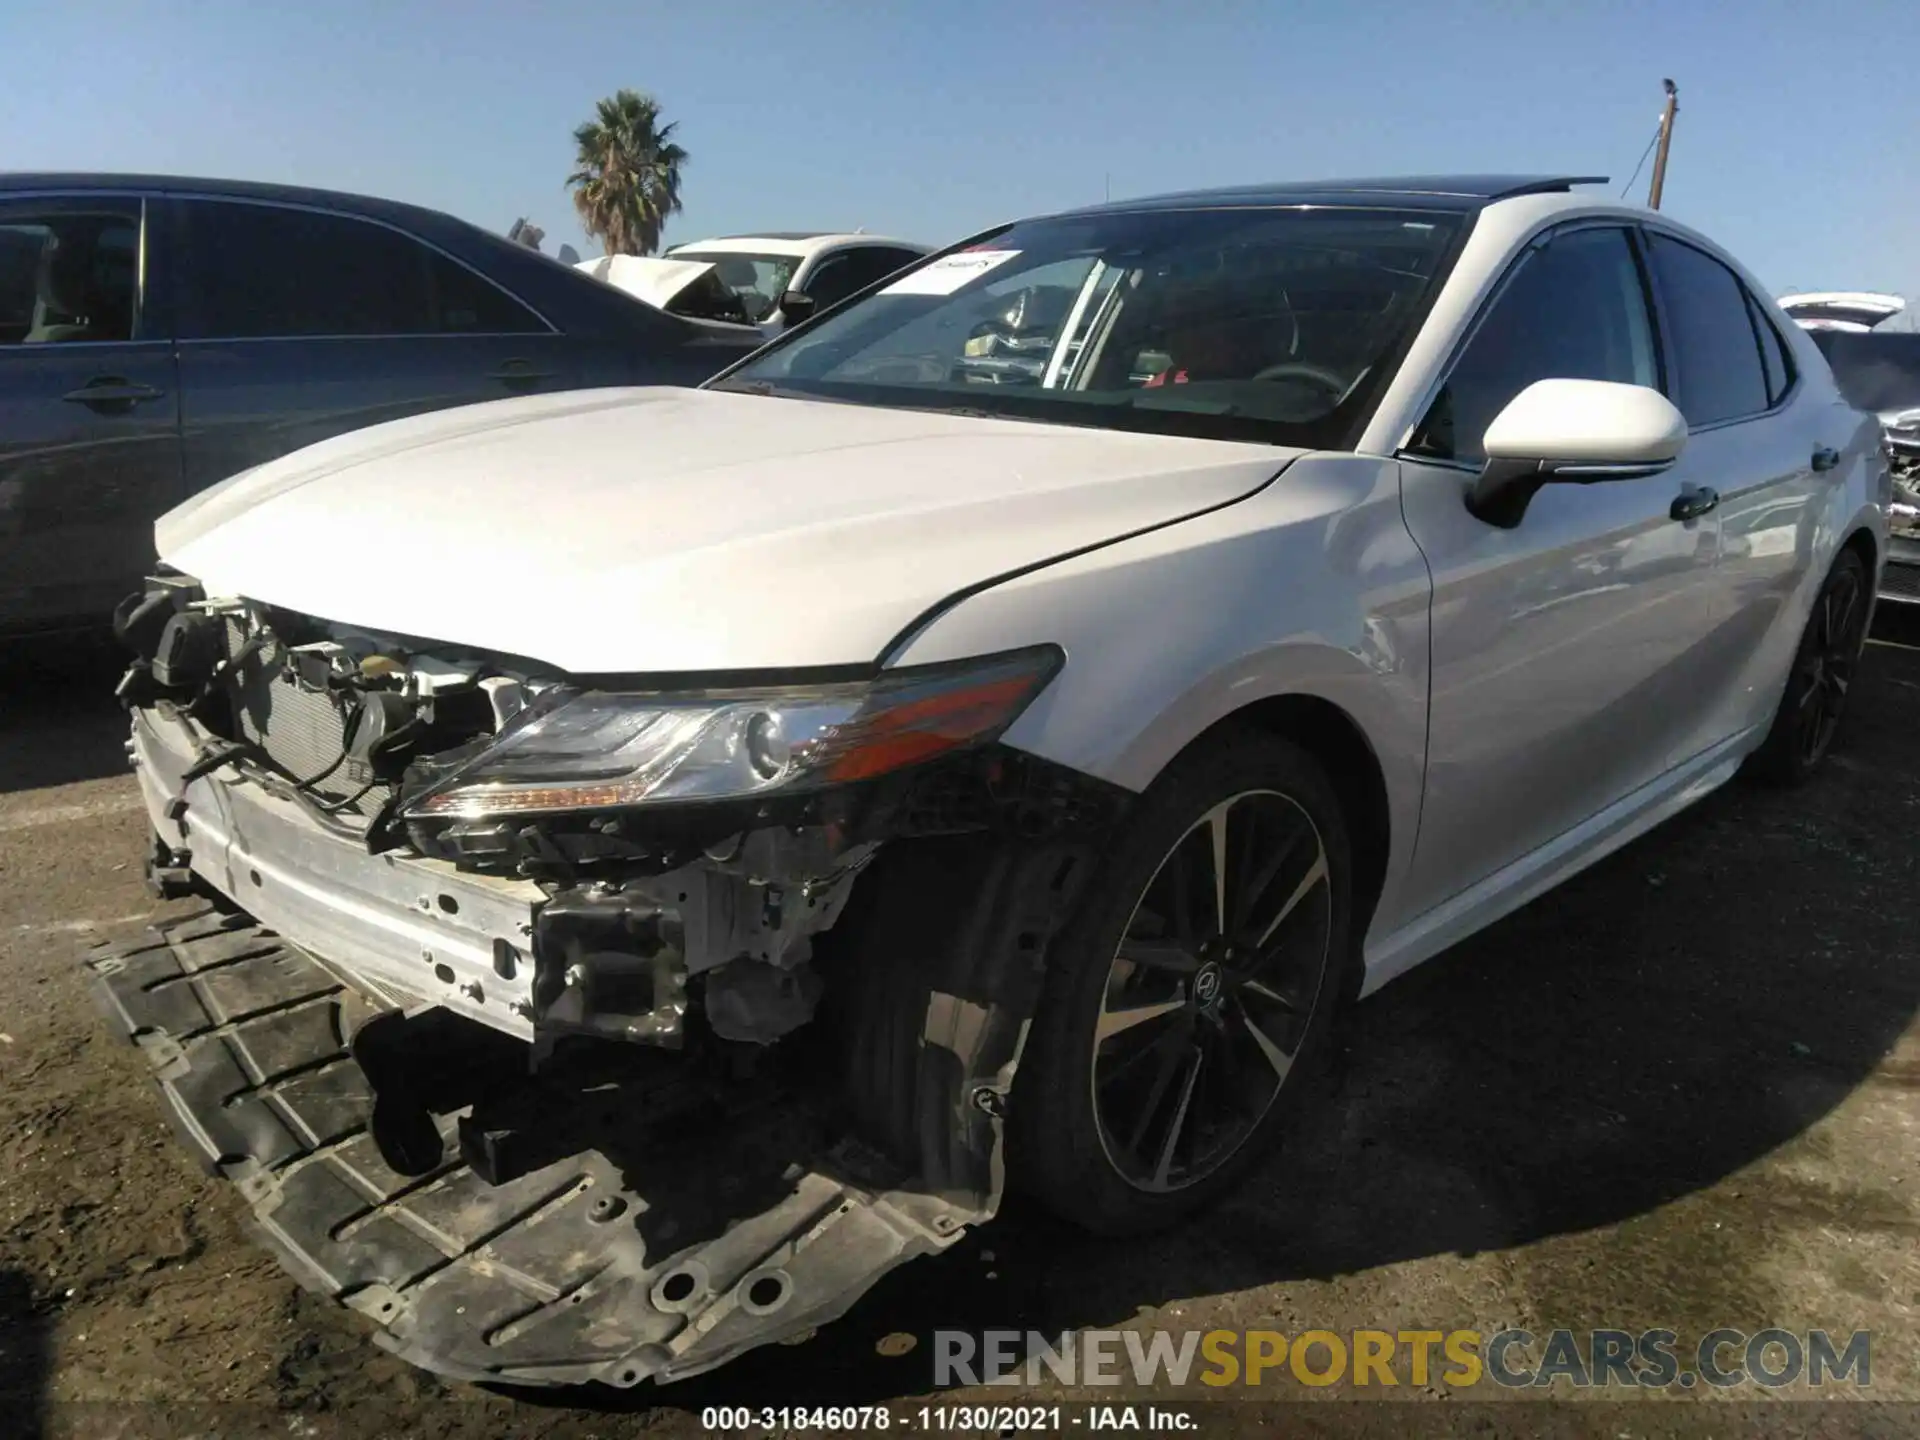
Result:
[[1681, 1091]]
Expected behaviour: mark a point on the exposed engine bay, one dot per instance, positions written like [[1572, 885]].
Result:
[[557, 1081]]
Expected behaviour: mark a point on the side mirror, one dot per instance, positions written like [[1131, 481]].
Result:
[[1572, 431], [796, 306]]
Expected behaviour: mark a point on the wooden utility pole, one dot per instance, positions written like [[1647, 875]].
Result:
[[1666, 140]]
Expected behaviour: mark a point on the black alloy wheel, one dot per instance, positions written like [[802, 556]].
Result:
[[1822, 677], [1211, 989], [1189, 998]]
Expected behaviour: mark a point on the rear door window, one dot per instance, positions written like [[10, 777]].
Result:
[[266, 272], [1720, 375]]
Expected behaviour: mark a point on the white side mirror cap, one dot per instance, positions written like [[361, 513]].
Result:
[[1588, 422]]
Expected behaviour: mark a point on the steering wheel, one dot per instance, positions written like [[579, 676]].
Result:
[[1334, 385]]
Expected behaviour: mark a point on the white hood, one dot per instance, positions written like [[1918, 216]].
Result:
[[647, 277], [661, 530]]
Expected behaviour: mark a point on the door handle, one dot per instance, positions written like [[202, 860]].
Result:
[[1825, 457], [111, 392], [1693, 504], [519, 372]]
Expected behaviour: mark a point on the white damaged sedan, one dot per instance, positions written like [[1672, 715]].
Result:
[[674, 855]]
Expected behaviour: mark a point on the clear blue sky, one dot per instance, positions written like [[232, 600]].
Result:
[[1798, 143]]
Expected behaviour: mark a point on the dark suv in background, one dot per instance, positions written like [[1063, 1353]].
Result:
[[158, 335]]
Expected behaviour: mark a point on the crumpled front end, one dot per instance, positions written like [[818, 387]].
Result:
[[1900, 580], [604, 1092]]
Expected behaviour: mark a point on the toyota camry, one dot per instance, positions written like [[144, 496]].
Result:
[[675, 855]]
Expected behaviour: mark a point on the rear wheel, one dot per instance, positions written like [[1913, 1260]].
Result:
[[1823, 670], [1189, 1001]]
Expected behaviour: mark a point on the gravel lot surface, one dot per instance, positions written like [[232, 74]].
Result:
[[1682, 1091]]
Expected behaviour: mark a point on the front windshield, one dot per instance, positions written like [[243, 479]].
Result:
[[1269, 324], [756, 281], [1876, 370]]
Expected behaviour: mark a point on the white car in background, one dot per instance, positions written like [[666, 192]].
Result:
[[1848, 311], [688, 289], [755, 824], [766, 272], [763, 282]]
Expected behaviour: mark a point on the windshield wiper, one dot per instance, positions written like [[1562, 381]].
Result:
[[761, 387], [1182, 405]]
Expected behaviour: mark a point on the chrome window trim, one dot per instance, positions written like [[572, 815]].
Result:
[[383, 335], [140, 272], [89, 192], [405, 234], [61, 347]]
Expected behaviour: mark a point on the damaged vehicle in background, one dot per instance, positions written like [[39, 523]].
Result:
[[780, 278], [1879, 371], [724, 837], [688, 289], [767, 282], [1846, 311]]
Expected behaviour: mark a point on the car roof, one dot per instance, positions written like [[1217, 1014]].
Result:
[[1433, 192], [782, 235], [15, 182], [577, 303], [795, 242]]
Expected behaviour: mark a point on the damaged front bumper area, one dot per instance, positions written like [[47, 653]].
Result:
[[1900, 579], [599, 1108]]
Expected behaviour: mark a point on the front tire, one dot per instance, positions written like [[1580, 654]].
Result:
[[1188, 1003], [1810, 711]]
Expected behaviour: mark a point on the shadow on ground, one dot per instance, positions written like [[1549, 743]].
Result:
[[59, 722], [1652, 1027], [1655, 1025], [25, 1359]]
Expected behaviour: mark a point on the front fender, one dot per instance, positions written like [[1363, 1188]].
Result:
[[1311, 587]]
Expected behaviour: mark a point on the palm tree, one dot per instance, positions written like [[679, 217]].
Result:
[[626, 178]]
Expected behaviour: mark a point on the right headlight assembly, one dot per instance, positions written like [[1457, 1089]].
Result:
[[596, 750]]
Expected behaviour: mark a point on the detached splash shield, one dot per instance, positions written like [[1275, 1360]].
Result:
[[572, 1233]]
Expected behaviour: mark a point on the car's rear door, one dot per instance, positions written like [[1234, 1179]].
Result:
[[1765, 450], [298, 323], [1562, 650], [89, 408]]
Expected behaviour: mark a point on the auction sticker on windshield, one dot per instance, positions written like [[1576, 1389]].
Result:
[[949, 272]]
